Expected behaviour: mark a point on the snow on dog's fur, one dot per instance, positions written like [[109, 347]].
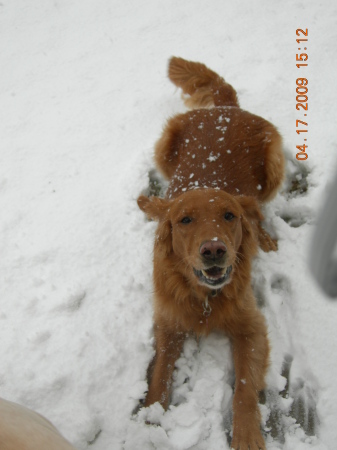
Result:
[[221, 162]]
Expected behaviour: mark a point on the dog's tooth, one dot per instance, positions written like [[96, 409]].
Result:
[[229, 269]]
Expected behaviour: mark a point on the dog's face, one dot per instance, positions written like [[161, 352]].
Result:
[[204, 229]]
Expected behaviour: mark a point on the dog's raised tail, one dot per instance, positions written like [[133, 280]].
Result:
[[203, 87]]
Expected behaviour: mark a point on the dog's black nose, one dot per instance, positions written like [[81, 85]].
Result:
[[213, 250]]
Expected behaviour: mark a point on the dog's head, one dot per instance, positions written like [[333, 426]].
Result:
[[207, 230]]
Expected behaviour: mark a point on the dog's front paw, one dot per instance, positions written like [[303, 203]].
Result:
[[248, 439]]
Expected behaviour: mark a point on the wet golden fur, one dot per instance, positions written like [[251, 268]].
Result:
[[222, 162]]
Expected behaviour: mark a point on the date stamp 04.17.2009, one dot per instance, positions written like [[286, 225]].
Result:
[[302, 93]]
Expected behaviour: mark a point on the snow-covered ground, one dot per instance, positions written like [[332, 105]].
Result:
[[84, 95]]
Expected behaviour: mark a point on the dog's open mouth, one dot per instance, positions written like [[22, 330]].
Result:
[[215, 276]]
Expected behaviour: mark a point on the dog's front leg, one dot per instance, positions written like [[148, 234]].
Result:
[[251, 361], [168, 346]]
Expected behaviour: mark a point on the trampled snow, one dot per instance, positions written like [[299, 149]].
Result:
[[84, 96]]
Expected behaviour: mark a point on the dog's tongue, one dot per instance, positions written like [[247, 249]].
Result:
[[214, 272]]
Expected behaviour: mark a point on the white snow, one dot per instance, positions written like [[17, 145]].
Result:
[[84, 96]]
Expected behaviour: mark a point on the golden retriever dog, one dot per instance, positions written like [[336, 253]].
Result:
[[24, 429], [221, 162]]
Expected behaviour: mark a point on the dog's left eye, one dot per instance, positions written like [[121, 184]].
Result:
[[229, 216], [186, 220]]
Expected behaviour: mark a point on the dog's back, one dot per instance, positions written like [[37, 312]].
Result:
[[223, 147]]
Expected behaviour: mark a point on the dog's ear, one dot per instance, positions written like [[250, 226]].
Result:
[[250, 221], [154, 207], [251, 208]]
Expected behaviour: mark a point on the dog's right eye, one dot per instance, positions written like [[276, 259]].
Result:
[[186, 220]]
